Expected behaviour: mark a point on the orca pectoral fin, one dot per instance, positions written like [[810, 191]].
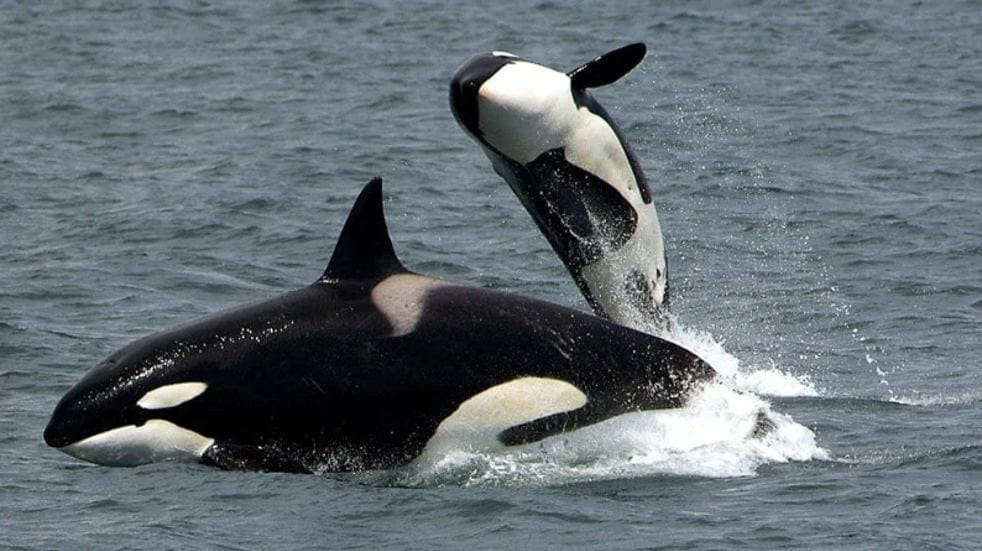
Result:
[[544, 427], [607, 68], [585, 208]]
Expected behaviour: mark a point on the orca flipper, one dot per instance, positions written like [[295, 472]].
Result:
[[544, 427], [607, 68], [578, 200], [364, 249]]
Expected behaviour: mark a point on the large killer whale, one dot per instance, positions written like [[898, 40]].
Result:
[[372, 366], [571, 167]]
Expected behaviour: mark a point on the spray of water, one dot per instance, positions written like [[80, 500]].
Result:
[[713, 436]]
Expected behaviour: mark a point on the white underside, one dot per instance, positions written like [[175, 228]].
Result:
[[476, 423], [154, 441], [525, 110], [644, 252]]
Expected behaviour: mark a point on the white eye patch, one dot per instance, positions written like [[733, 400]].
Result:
[[169, 396]]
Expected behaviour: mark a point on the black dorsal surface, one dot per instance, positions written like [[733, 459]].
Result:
[[364, 249], [607, 68]]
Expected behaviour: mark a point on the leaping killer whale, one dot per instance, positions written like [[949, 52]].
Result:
[[369, 367], [571, 167]]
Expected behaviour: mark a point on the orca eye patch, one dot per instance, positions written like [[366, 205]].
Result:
[[169, 396]]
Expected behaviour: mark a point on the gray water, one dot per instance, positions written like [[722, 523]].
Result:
[[818, 174]]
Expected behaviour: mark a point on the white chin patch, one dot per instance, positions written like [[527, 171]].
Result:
[[154, 441], [476, 423], [169, 396], [526, 109]]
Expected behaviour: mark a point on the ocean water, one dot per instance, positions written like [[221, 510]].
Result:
[[818, 174]]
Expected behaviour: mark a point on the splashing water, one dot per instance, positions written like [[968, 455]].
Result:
[[712, 437], [768, 381]]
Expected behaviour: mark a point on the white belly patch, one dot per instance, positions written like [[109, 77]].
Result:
[[476, 423]]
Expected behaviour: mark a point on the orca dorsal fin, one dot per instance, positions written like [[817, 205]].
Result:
[[364, 250], [607, 68]]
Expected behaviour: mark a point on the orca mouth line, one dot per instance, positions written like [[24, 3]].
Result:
[[60, 437], [56, 436], [68, 428]]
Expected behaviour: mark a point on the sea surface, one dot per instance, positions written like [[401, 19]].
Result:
[[817, 168]]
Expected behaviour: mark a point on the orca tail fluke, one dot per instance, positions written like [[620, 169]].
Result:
[[364, 249]]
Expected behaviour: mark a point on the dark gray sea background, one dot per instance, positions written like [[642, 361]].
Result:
[[817, 167]]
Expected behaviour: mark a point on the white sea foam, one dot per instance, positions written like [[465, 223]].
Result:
[[930, 400], [767, 381], [712, 437]]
